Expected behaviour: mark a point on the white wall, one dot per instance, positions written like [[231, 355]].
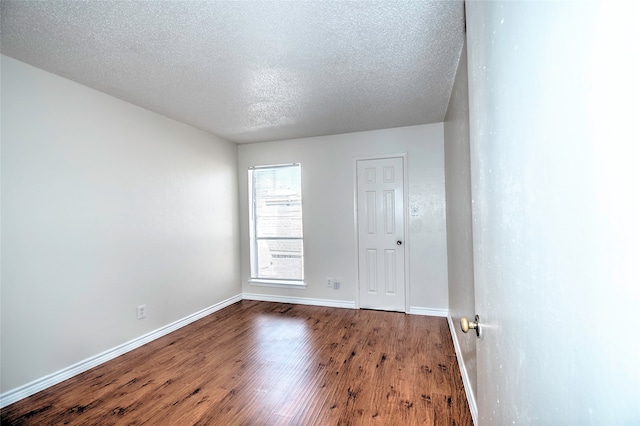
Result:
[[105, 206], [459, 228], [554, 123], [328, 209]]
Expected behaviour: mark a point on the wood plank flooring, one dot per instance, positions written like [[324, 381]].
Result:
[[261, 363]]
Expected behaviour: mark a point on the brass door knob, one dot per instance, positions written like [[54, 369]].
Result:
[[466, 325]]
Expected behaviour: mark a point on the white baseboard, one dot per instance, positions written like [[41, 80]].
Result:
[[473, 407], [299, 300], [31, 388], [416, 310]]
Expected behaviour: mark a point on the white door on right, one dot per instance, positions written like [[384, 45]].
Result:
[[381, 246]]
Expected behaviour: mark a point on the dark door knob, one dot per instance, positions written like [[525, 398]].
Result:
[[399, 242]]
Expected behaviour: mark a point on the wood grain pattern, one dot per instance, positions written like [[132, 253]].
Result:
[[261, 363]]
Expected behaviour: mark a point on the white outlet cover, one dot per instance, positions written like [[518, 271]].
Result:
[[141, 311]]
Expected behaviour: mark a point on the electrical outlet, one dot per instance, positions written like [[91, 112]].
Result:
[[329, 282], [142, 311], [336, 285]]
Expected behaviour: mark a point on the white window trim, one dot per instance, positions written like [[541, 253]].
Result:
[[264, 282], [267, 282]]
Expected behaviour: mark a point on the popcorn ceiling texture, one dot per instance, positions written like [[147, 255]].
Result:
[[252, 71]]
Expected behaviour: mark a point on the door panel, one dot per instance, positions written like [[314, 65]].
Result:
[[381, 234], [556, 210]]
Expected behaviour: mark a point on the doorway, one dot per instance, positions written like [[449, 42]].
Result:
[[380, 212]]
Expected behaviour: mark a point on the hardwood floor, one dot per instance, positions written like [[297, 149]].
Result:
[[261, 363]]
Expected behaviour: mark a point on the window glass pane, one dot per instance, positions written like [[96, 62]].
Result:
[[280, 259], [278, 207], [276, 221]]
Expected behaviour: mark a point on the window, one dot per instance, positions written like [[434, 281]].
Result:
[[276, 225]]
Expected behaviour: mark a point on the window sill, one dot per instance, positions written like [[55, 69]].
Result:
[[278, 283]]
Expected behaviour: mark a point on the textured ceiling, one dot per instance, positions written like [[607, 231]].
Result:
[[254, 70]]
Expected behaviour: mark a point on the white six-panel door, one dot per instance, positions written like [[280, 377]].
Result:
[[381, 245]]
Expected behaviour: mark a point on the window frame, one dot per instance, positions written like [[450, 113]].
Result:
[[253, 238]]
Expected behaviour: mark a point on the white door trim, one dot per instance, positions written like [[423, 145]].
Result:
[[405, 189]]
